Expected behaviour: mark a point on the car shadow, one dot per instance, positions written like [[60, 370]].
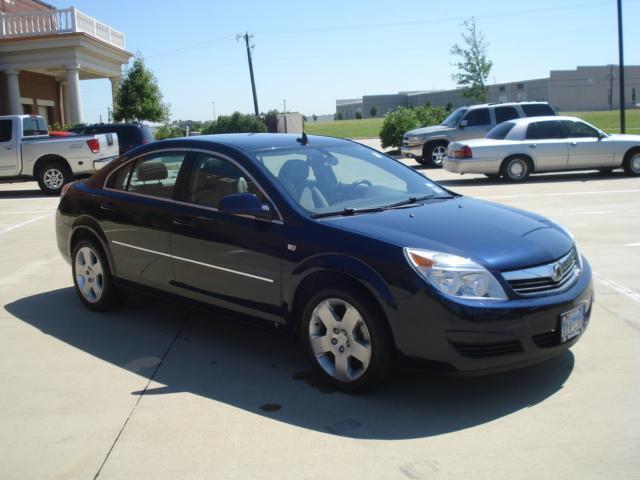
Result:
[[17, 194], [264, 372], [585, 177]]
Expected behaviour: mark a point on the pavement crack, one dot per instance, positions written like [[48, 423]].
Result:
[[144, 390]]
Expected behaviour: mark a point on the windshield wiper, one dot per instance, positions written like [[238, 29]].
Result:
[[411, 200], [348, 212]]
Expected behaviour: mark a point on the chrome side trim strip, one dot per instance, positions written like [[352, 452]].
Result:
[[175, 257]]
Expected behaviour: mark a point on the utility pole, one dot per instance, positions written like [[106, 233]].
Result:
[[621, 75], [214, 110], [246, 37], [284, 105]]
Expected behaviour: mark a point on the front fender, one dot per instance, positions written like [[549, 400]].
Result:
[[345, 265]]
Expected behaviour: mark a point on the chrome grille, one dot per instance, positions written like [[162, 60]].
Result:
[[549, 278]]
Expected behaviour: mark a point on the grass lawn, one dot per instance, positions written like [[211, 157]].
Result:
[[609, 121]]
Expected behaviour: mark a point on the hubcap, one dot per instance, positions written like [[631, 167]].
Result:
[[635, 163], [438, 154], [517, 169], [340, 339], [53, 178], [89, 275]]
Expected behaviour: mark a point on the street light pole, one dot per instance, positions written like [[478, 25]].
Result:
[[214, 110], [621, 54]]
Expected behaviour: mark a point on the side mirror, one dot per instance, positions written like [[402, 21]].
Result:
[[463, 123], [245, 204]]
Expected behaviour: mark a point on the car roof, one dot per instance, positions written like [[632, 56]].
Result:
[[109, 125], [527, 120], [506, 104], [252, 142]]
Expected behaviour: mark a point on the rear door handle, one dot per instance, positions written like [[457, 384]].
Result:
[[9, 147], [573, 144], [109, 207], [183, 222]]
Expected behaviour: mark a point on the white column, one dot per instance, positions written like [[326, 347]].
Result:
[[73, 90], [13, 92], [115, 83], [65, 103]]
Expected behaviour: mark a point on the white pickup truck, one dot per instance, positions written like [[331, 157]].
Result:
[[27, 152]]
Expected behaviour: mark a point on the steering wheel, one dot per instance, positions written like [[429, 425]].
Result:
[[362, 181]]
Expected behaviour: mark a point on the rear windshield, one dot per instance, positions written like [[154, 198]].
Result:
[[501, 131], [537, 109], [34, 126]]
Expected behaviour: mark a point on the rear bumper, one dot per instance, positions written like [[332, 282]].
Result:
[[482, 338], [471, 165], [99, 164]]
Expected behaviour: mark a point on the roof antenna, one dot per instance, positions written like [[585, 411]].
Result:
[[304, 140]]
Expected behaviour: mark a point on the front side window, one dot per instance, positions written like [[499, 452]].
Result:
[[154, 175], [545, 131], [6, 127], [500, 131], [580, 129], [453, 119], [505, 113], [332, 179], [478, 117], [214, 178]]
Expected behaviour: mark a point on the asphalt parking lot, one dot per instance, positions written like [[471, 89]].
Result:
[[153, 390]]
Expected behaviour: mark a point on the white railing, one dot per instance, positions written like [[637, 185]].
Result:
[[48, 22]]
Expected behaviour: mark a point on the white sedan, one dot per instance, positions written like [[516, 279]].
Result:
[[517, 148]]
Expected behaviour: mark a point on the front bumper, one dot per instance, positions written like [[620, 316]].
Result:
[[471, 165], [486, 337], [412, 151]]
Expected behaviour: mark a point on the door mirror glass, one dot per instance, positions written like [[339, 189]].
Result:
[[244, 204], [463, 123]]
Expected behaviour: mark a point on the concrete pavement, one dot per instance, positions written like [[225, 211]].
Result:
[[153, 390]]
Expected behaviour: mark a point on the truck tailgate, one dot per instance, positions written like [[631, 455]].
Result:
[[108, 145]]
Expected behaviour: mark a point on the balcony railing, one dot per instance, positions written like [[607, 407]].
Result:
[[68, 20]]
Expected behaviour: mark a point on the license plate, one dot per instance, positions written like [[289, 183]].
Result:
[[571, 323]]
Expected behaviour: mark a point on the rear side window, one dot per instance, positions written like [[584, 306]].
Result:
[[545, 130], [154, 175], [478, 117], [501, 131], [537, 109], [34, 126], [505, 113], [5, 130]]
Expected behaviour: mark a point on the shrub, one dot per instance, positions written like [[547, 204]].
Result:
[[167, 131], [373, 111], [428, 115], [337, 116], [359, 115], [395, 124], [236, 123]]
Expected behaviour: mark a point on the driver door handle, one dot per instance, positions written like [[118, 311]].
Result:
[[107, 206], [183, 221], [9, 147], [533, 145]]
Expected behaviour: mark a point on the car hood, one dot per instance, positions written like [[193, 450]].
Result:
[[496, 236], [624, 137], [427, 130]]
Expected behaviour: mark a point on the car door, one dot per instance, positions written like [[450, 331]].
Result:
[[478, 124], [228, 260], [547, 144], [9, 148], [587, 147], [135, 213]]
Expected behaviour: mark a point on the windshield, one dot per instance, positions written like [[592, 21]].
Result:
[[453, 119], [345, 177]]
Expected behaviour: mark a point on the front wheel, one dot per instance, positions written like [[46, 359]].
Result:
[[631, 163], [52, 176], [346, 339], [433, 154]]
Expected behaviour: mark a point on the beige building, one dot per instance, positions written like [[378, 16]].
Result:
[[46, 52], [585, 88]]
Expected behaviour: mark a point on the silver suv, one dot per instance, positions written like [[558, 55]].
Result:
[[428, 145]]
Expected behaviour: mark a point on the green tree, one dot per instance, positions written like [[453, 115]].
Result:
[[236, 123], [315, 117], [473, 65], [138, 96], [168, 131], [337, 116], [359, 115], [373, 111]]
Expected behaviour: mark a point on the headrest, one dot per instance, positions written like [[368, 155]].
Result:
[[294, 171], [150, 171]]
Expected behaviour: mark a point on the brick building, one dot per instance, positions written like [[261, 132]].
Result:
[[44, 54]]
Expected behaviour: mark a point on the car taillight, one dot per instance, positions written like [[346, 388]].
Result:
[[464, 152], [94, 145]]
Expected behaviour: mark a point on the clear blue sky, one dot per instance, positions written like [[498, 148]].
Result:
[[312, 53]]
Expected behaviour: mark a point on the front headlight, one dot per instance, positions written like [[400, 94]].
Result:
[[455, 276], [413, 140]]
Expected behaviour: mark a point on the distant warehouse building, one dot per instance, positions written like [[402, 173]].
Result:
[[585, 88]]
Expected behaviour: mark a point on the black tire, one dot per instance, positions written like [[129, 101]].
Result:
[[631, 163], [433, 154], [378, 339], [492, 176], [109, 296], [516, 169], [52, 175], [605, 171]]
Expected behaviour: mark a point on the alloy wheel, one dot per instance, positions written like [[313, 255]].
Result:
[[438, 153], [53, 178], [89, 275], [340, 340]]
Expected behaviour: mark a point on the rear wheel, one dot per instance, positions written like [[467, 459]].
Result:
[[631, 162], [347, 339], [516, 169], [605, 171], [92, 278], [433, 154], [492, 176], [52, 176]]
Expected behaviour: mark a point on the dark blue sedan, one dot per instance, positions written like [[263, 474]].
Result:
[[366, 260]]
